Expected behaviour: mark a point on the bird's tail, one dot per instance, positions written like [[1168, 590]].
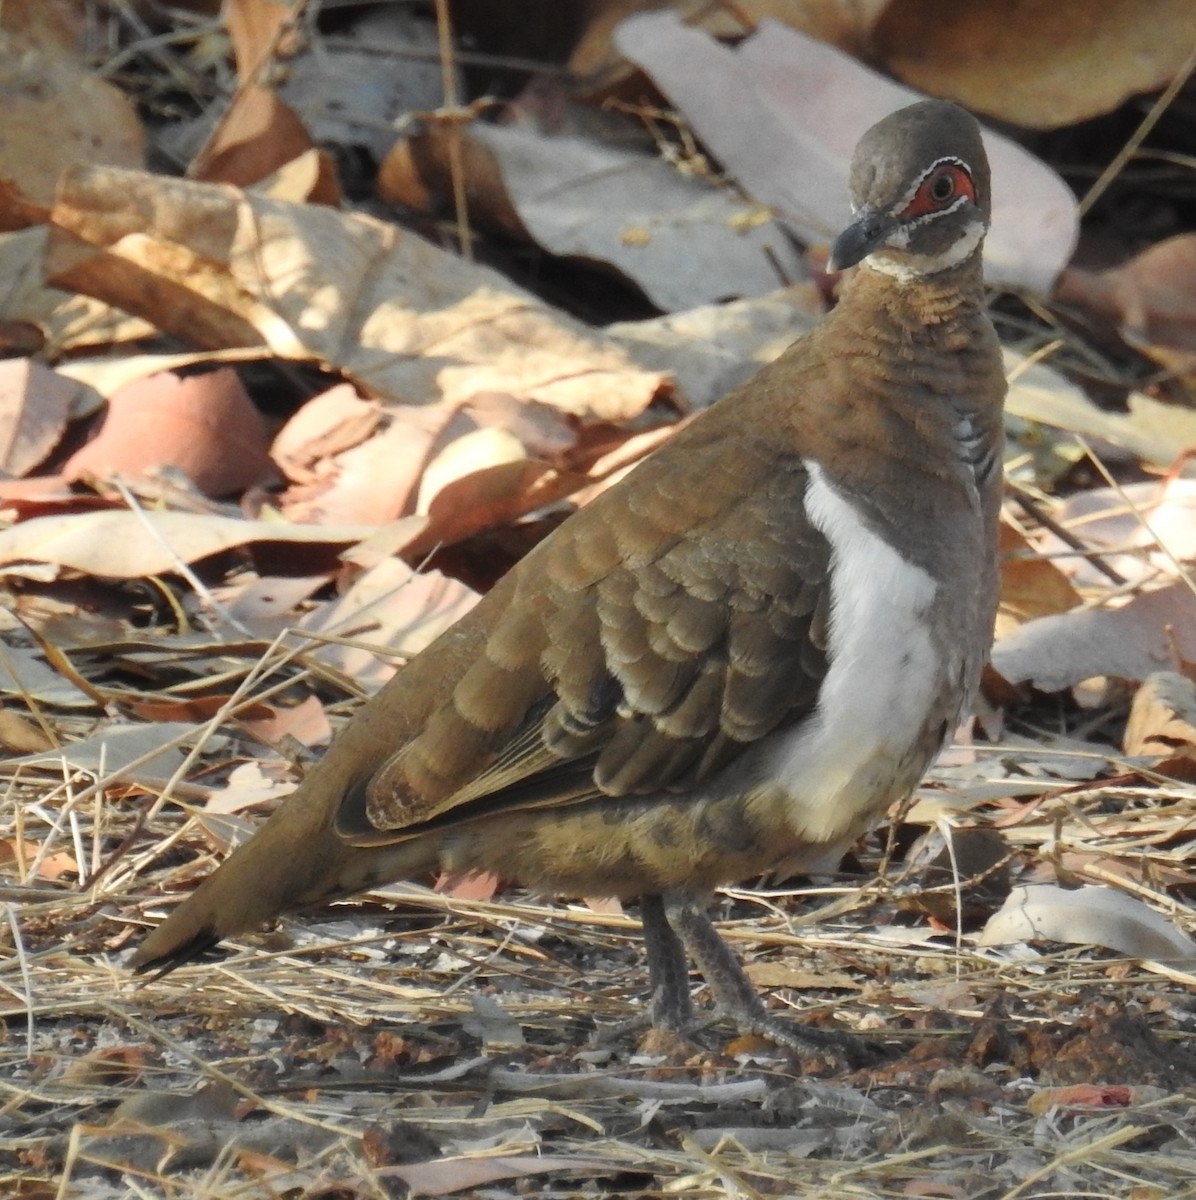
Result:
[[293, 861]]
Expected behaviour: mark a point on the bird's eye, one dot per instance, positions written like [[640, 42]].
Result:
[[941, 188]]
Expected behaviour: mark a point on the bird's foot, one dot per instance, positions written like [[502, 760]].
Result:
[[737, 1001], [850, 1050]]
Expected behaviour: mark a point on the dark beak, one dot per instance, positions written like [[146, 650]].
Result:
[[867, 233]]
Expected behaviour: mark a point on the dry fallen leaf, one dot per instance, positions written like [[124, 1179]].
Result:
[[58, 114], [1031, 586], [22, 854], [1162, 720], [389, 606], [444, 1176], [258, 132], [146, 754], [714, 348], [306, 722], [1038, 63], [1144, 530], [1144, 635], [374, 481], [402, 318], [204, 425], [36, 405], [681, 239], [1152, 430], [1089, 915], [328, 424], [1152, 298], [783, 113], [128, 545], [1080, 1096]]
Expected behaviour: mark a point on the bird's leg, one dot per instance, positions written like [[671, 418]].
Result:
[[734, 994], [671, 1006]]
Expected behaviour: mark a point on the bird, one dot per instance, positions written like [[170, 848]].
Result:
[[728, 664]]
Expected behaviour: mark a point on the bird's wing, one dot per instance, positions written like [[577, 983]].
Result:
[[661, 634]]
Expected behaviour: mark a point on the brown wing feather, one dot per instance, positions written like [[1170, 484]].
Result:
[[665, 634]]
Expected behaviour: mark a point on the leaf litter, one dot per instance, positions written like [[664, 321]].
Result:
[[185, 627]]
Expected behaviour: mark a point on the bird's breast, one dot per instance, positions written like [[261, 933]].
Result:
[[905, 651]]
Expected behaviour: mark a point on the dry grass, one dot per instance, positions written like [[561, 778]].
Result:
[[415, 1028]]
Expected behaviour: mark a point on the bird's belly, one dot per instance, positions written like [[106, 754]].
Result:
[[626, 846]]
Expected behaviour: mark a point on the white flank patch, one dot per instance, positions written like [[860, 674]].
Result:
[[883, 673]]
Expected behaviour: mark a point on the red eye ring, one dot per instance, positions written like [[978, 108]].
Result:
[[931, 197]]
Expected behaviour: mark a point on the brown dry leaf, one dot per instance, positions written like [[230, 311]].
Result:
[[681, 240], [1144, 529], [259, 133], [21, 736], [1130, 642], [383, 64], [388, 606], [470, 885], [306, 722], [545, 432], [428, 450], [375, 481], [110, 1066], [843, 23], [22, 854], [1031, 586], [937, 1187], [334, 421], [783, 113], [1038, 63], [404, 319], [40, 495], [205, 425], [477, 450], [254, 28], [107, 374], [248, 784], [58, 114], [491, 497], [119, 545], [257, 137], [268, 604], [1080, 1096], [712, 349], [36, 405], [1157, 432], [795, 973], [25, 674], [443, 1177], [146, 754], [195, 710], [1162, 720], [1151, 298], [1090, 915]]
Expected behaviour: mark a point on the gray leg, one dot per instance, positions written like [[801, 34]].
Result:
[[735, 996], [671, 1006]]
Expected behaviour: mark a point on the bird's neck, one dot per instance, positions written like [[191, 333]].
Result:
[[909, 422]]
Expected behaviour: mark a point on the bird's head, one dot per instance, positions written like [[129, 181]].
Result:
[[920, 193]]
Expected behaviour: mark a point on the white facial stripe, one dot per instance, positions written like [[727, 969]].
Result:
[[918, 266], [934, 214]]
